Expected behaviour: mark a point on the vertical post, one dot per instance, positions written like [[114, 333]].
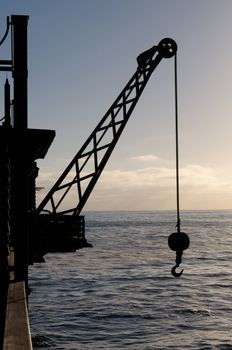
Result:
[[19, 42], [19, 149], [7, 103]]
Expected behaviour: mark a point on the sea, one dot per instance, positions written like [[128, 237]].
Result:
[[120, 293]]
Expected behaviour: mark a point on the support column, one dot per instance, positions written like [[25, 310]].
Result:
[[19, 148], [19, 41]]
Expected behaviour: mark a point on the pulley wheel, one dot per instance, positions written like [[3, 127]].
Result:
[[167, 47]]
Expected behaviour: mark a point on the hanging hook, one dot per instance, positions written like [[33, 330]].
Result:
[[178, 262], [178, 241], [174, 273]]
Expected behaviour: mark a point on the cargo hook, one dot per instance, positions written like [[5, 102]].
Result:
[[174, 273]]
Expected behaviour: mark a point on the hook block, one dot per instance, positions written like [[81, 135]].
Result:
[[178, 241]]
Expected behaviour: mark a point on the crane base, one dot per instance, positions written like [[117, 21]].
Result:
[[64, 233]]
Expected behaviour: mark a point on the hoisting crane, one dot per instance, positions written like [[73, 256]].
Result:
[[29, 232], [59, 226]]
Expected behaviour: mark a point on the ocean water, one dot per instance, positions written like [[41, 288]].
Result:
[[120, 293]]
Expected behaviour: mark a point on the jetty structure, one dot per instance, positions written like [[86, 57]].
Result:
[[20, 147], [29, 231]]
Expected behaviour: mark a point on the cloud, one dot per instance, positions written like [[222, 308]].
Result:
[[153, 188], [145, 158]]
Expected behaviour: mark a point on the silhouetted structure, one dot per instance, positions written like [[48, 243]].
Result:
[[28, 232], [81, 175], [19, 148]]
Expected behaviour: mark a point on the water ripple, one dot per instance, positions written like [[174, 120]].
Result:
[[120, 293]]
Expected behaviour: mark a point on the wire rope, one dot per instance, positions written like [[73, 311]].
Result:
[[177, 241], [7, 30], [177, 146]]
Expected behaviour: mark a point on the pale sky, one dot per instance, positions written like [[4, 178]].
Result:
[[81, 55]]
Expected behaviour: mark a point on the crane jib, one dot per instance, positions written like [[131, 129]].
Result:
[[83, 172], [113, 121]]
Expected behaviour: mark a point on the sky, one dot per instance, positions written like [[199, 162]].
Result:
[[82, 53]]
